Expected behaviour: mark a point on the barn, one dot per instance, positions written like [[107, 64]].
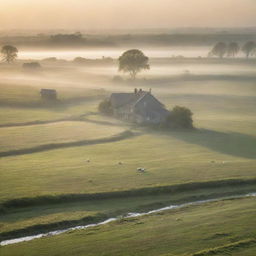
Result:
[[139, 107]]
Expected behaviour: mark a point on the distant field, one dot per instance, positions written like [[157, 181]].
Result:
[[185, 231]]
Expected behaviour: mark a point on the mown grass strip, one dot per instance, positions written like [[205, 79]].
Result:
[[227, 248], [64, 198], [52, 146]]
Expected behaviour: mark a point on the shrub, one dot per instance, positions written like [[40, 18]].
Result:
[[180, 117], [31, 65], [105, 107]]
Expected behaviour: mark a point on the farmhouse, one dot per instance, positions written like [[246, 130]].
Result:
[[140, 107], [48, 94]]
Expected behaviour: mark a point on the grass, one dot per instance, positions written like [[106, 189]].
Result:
[[20, 103], [30, 136], [222, 148], [179, 232], [23, 217], [228, 248], [66, 170]]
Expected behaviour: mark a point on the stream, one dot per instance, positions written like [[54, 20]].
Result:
[[129, 215]]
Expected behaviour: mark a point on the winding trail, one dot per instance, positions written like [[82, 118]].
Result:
[[129, 215]]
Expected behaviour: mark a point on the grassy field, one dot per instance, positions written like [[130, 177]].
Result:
[[223, 147], [184, 231], [29, 136]]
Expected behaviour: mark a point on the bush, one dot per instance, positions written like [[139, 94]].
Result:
[[31, 65], [105, 107], [180, 117]]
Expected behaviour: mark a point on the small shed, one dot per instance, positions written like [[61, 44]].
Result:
[[48, 94]]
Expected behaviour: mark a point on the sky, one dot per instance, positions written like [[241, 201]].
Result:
[[125, 14]]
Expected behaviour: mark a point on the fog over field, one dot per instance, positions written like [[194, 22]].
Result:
[[127, 128]]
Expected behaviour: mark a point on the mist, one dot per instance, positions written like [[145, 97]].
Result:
[[115, 14]]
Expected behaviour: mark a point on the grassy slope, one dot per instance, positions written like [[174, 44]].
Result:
[[178, 232]]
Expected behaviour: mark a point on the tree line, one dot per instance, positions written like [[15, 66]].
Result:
[[222, 49]]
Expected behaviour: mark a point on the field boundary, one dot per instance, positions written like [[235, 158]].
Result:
[[101, 217], [64, 198], [45, 147]]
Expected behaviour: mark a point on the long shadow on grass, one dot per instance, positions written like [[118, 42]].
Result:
[[235, 144]]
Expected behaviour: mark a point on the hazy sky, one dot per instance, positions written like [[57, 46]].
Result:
[[132, 14]]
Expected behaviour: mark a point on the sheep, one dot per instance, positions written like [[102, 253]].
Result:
[[141, 169]]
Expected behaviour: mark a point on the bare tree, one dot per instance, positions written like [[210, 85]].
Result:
[[9, 53]]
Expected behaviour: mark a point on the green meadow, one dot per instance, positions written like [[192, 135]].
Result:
[[219, 228], [87, 182]]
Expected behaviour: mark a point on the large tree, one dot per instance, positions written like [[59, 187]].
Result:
[[133, 61], [219, 50], [249, 48], [233, 49], [9, 53]]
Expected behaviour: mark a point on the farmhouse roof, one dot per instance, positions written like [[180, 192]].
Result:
[[131, 99]]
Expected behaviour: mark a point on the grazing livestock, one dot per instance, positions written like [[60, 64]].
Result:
[[141, 170]]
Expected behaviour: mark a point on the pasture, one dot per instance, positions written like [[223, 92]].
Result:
[[221, 148], [193, 230]]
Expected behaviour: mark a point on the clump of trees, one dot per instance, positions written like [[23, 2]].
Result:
[[9, 53], [67, 38], [132, 62], [103, 60], [232, 49], [180, 118], [249, 49], [219, 50], [105, 107]]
